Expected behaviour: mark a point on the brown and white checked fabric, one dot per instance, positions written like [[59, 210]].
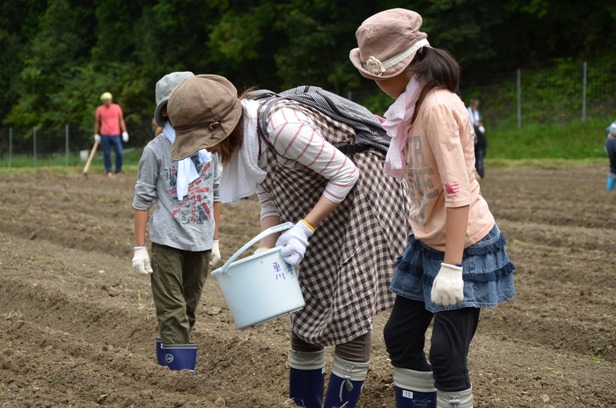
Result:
[[348, 266]]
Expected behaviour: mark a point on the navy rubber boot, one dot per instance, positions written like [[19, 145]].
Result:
[[307, 378], [180, 356], [345, 383], [160, 354], [306, 387], [342, 392]]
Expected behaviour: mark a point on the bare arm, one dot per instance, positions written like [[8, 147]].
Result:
[[141, 222], [267, 222], [97, 125], [323, 208], [217, 212], [299, 139], [320, 211], [455, 224], [122, 123]]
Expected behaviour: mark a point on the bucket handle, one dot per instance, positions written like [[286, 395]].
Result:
[[263, 234]]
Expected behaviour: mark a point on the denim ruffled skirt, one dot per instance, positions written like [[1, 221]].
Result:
[[487, 273]]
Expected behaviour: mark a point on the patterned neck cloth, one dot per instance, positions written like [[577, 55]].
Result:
[[397, 124], [187, 171]]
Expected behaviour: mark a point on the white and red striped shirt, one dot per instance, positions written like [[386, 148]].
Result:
[[299, 142]]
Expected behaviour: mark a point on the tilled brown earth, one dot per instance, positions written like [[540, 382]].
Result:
[[77, 327]]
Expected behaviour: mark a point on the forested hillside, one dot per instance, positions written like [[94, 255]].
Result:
[[57, 56]]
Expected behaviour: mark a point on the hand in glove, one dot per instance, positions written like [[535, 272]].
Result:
[[215, 256], [97, 138], [141, 261], [295, 242], [482, 129], [448, 286], [125, 137]]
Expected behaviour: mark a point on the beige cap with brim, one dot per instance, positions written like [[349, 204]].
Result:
[[387, 43], [203, 110], [164, 88]]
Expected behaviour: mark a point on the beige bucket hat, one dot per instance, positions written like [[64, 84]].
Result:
[[203, 110], [387, 43]]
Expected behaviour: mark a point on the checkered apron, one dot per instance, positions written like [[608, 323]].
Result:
[[348, 266]]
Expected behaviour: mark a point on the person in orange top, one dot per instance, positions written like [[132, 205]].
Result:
[[455, 262], [107, 126]]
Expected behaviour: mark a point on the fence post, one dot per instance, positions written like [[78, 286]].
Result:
[[34, 143], [519, 96], [11, 147], [66, 157], [584, 79]]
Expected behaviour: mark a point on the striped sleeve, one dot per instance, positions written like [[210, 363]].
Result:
[[296, 138], [268, 209]]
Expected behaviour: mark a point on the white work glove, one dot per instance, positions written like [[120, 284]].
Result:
[[295, 242], [97, 138], [215, 256], [482, 129], [125, 137], [448, 286], [141, 261]]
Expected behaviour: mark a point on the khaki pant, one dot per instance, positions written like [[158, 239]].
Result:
[[177, 283], [356, 350]]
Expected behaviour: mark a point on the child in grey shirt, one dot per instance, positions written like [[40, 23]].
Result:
[[183, 229]]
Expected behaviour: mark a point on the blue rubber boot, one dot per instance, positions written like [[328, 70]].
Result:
[[414, 389], [160, 354], [307, 378], [611, 183], [180, 356], [345, 383]]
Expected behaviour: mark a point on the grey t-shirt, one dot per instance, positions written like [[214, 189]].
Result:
[[188, 224]]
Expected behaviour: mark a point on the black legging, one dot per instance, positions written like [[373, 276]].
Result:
[[480, 151], [451, 337], [610, 148]]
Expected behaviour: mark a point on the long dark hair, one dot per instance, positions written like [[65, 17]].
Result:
[[232, 142], [235, 140], [436, 68]]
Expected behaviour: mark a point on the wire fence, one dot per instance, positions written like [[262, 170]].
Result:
[[568, 91], [43, 147]]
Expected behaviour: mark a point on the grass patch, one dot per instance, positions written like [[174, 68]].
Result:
[[543, 163], [130, 169], [131, 158], [573, 140], [575, 143]]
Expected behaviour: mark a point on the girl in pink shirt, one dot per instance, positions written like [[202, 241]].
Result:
[[455, 262]]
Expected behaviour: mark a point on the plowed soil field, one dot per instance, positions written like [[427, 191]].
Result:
[[77, 327]]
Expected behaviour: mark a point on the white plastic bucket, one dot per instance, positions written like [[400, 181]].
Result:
[[260, 287]]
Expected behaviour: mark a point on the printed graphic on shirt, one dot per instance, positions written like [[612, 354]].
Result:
[[421, 178], [197, 205], [452, 189]]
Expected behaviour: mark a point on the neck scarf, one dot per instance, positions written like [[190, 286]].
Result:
[[187, 171], [397, 124], [242, 174]]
